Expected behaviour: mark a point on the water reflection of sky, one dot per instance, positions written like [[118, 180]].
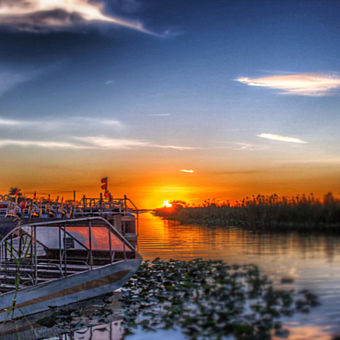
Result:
[[112, 330], [313, 261]]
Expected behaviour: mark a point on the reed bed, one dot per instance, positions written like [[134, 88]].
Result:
[[277, 213]]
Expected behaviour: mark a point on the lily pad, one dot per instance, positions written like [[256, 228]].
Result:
[[209, 300]]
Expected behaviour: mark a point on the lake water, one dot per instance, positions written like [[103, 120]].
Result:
[[312, 261]]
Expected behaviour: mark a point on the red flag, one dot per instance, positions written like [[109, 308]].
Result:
[[107, 194], [16, 192], [22, 204], [104, 183]]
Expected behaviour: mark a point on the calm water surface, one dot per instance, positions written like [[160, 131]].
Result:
[[313, 261]]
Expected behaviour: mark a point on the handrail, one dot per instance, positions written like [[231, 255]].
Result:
[[48, 223], [30, 230], [93, 207]]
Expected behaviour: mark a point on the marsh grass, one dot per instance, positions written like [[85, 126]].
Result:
[[18, 256], [277, 213]]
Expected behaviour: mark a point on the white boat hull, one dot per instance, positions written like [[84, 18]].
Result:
[[67, 290]]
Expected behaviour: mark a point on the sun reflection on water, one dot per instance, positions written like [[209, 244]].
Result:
[[311, 261]]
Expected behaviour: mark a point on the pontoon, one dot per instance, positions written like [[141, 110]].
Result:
[[55, 263]]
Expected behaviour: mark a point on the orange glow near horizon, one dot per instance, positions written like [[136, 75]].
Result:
[[150, 195], [148, 186]]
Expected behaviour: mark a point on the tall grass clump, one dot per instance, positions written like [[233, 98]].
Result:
[[301, 213]]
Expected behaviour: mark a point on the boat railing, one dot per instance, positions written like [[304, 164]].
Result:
[[39, 252], [86, 206]]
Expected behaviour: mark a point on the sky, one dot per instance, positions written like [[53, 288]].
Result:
[[170, 100]]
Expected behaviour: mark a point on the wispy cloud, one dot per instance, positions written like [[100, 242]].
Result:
[[46, 15], [89, 143], [111, 143], [246, 146], [281, 138], [159, 114], [49, 124], [74, 132], [41, 144], [239, 146], [20, 123], [89, 120], [109, 82], [303, 84], [173, 147], [11, 122], [118, 143], [187, 171]]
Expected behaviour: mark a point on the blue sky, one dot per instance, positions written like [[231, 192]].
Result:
[[217, 86]]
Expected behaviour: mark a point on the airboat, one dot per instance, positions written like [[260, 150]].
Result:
[[121, 212], [53, 263]]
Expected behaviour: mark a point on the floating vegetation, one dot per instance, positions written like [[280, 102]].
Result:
[[299, 213], [209, 300]]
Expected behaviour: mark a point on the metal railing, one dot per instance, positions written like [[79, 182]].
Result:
[[24, 252], [71, 209]]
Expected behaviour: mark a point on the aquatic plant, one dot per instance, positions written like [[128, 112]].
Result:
[[17, 256], [209, 300], [301, 213]]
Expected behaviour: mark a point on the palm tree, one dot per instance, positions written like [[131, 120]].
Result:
[[14, 191]]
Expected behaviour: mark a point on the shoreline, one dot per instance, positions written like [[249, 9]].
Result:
[[273, 227], [262, 213]]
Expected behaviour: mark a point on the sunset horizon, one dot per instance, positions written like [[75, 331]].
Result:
[[165, 106], [169, 169]]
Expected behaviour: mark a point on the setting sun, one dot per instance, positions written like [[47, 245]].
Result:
[[166, 204]]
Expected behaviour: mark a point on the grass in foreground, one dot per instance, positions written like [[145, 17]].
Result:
[[209, 300], [300, 213]]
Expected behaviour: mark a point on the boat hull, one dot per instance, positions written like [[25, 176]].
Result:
[[67, 290]]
